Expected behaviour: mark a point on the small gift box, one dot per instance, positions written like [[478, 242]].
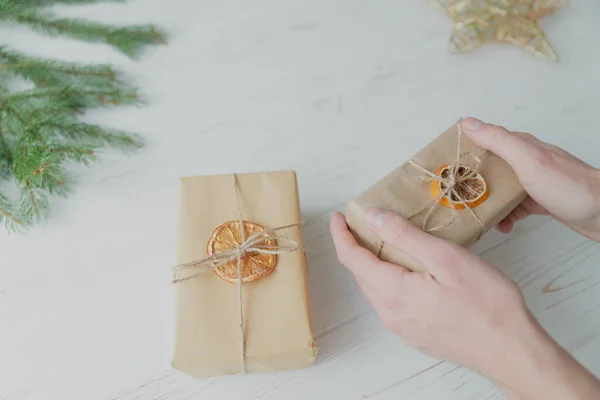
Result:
[[241, 285], [451, 188]]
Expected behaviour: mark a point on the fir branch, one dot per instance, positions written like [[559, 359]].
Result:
[[129, 40], [29, 68], [52, 73], [20, 118], [48, 110], [40, 132], [8, 215], [95, 135], [92, 97], [82, 154]]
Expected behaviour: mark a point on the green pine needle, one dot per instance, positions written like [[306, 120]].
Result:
[[40, 132]]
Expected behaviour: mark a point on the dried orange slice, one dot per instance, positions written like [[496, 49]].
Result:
[[473, 191], [254, 265]]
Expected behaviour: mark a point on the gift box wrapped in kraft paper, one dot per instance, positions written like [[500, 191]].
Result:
[[259, 321], [451, 189]]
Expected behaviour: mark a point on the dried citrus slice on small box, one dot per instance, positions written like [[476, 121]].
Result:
[[254, 265], [473, 190]]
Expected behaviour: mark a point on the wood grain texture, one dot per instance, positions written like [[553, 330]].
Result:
[[340, 91]]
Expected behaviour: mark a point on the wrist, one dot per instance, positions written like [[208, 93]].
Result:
[[534, 366]]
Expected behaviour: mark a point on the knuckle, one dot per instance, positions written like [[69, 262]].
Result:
[[499, 134], [527, 136], [506, 140]]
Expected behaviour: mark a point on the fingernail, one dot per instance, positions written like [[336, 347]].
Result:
[[472, 124], [375, 217]]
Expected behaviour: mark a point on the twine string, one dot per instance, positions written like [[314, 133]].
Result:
[[257, 242], [239, 280]]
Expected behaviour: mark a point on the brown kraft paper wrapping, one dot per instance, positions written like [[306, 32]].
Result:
[[276, 307], [403, 192]]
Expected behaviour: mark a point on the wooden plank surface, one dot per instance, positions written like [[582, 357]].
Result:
[[340, 91]]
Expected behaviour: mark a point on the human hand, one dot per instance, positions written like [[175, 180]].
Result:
[[558, 183], [463, 310]]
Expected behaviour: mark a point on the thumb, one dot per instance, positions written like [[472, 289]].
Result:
[[521, 154], [432, 252]]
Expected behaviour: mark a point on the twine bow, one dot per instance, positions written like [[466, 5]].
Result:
[[255, 243], [449, 184]]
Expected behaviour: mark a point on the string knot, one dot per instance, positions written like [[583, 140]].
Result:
[[450, 184], [452, 181]]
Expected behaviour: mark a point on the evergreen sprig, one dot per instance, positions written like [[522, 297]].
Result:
[[129, 39], [40, 132]]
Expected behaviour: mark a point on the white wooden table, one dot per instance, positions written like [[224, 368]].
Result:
[[340, 91]]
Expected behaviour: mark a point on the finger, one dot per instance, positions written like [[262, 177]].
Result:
[[533, 207], [530, 138], [361, 262], [519, 150], [528, 207], [433, 253], [506, 226], [537, 142], [520, 213]]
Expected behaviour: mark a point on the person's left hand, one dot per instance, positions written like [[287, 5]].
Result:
[[462, 310]]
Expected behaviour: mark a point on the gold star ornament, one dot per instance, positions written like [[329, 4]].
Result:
[[512, 21]]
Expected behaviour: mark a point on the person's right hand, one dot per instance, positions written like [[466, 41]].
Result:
[[557, 182]]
